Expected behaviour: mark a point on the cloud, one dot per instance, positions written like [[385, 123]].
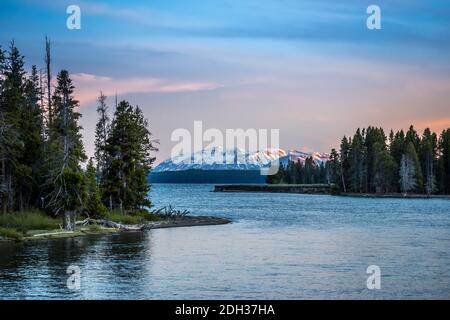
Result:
[[88, 86]]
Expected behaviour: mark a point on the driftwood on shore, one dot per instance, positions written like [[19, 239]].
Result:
[[110, 224], [181, 221]]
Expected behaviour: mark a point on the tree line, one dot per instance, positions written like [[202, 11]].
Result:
[[42, 157], [371, 162]]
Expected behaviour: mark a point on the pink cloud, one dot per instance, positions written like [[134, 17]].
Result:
[[88, 86]]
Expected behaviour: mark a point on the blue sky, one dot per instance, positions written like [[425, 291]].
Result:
[[310, 68]]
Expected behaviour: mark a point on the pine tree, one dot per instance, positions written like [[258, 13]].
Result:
[[129, 148], [66, 153], [49, 79], [412, 136], [4, 135], [356, 159], [93, 203], [410, 172], [334, 168], [345, 163], [385, 171], [444, 150], [30, 131], [101, 136], [278, 177], [407, 174], [291, 176], [12, 105], [397, 148], [412, 154], [309, 170], [428, 154], [374, 143]]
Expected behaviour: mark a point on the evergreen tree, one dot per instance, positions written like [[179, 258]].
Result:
[[50, 111], [30, 131], [374, 145], [428, 154], [291, 173], [65, 154], [444, 165], [129, 148], [412, 154], [412, 136], [309, 170], [410, 171], [356, 159], [397, 148], [278, 177], [101, 136], [12, 105], [93, 203], [4, 136], [385, 171], [407, 174], [345, 163], [334, 168]]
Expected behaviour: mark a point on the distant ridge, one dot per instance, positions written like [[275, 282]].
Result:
[[218, 165]]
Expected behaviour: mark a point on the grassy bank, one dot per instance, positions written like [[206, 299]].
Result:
[[33, 224], [17, 225]]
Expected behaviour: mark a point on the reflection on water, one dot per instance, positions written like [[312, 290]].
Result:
[[280, 246]]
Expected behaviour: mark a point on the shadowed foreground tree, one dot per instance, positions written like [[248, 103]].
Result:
[[42, 154], [65, 154]]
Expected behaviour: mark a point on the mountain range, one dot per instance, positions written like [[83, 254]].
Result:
[[218, 165]]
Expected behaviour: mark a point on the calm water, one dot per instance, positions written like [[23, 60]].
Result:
[[280, 246]]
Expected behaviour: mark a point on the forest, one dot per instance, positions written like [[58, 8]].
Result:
[[371, 162], [43, 164]]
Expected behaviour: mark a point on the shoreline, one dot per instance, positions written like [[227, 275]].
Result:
[[178, 222], [318, 189], [393, 195], [276, 188]]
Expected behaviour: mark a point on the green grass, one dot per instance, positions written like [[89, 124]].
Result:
[[10, 233], [30, 220], [94, 228], [17, 225]]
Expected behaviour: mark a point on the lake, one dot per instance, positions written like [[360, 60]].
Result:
[[279, 246]]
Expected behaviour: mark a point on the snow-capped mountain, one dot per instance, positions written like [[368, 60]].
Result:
[[235, 159]]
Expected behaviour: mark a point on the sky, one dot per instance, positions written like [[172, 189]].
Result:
[[311, 69]]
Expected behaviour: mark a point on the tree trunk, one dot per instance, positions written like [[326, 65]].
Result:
[[68, 221]]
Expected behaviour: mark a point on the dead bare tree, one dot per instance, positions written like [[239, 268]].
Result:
[[49, 78]]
